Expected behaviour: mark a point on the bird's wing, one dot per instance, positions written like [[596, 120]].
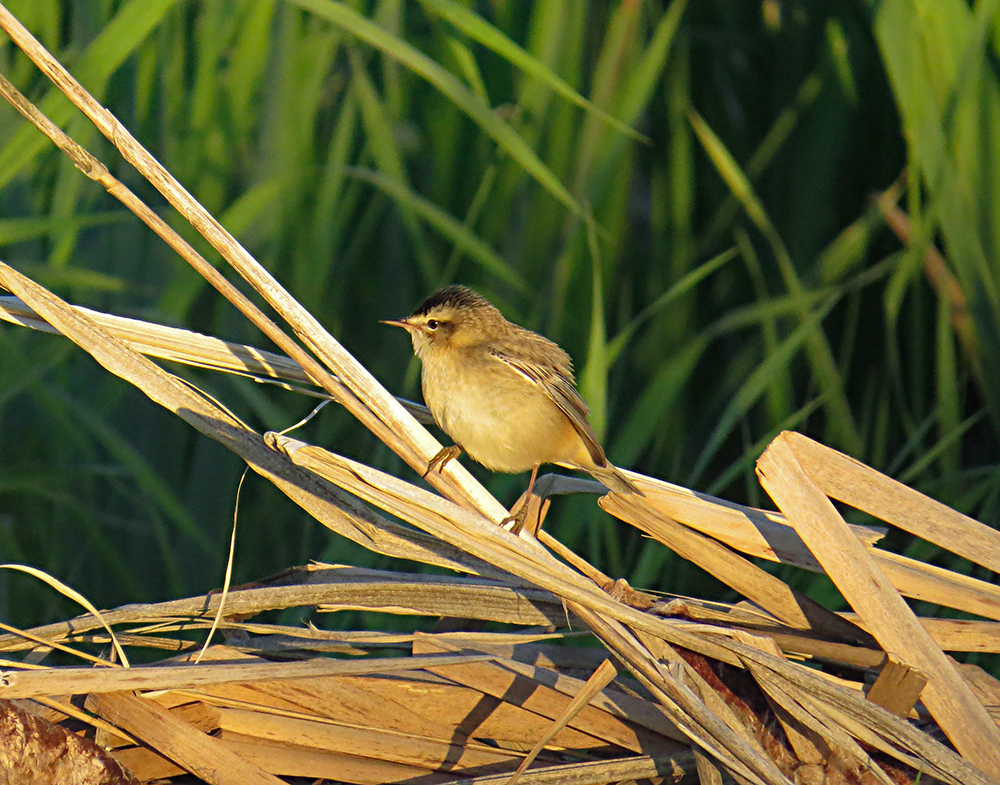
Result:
[[555, 378]]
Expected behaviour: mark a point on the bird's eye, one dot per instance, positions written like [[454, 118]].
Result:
[[433, 324]]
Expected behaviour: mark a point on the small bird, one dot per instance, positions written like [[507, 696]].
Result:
[[504, 393]]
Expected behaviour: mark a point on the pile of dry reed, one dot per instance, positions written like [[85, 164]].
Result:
[[774, 690]]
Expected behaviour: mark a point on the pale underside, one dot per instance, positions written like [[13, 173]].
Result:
[[506, 425]]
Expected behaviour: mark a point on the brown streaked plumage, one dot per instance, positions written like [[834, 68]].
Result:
[[505, 394]]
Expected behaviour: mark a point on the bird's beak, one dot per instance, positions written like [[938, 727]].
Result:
[[397, 323]]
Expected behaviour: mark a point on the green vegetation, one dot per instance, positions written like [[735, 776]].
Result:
[[677, 193]]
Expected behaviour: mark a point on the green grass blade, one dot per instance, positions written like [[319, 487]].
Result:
[[489, 36], [756, 384], [746, 462], [380, 126], [16, 230], [658, 403], [594, 378], [450, 86], [446, 224], [117, 40], [674, 293], [843, 428], [146, 477]]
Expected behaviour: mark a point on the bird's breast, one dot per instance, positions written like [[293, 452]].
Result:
[[501, 419]]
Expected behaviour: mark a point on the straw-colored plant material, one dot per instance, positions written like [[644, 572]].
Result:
[[741, 740], [190, 348], [789, 471], [382, 720], [696, 689]]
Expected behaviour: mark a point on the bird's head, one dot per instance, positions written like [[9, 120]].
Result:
[[451, 318]]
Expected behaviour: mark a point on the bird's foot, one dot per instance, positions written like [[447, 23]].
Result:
[[440, 460], [517, 519]]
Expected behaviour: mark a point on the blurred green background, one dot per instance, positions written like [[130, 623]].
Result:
[[735, 279]]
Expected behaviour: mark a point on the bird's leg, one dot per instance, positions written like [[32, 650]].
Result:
[[440, 460], [522, 511]]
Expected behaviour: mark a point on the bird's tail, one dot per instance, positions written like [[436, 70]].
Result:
[[614, 479]]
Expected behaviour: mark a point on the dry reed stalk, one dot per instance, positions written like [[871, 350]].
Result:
[[189, 348], [792, 485], [600, 679], [33, 683], [194, 751], [375, 715], [749, 580], [936, 268]]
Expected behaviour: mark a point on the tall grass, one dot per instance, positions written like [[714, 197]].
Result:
[[679, 194]]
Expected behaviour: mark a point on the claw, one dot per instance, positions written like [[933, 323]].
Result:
[[440, 460], [517, 519]]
